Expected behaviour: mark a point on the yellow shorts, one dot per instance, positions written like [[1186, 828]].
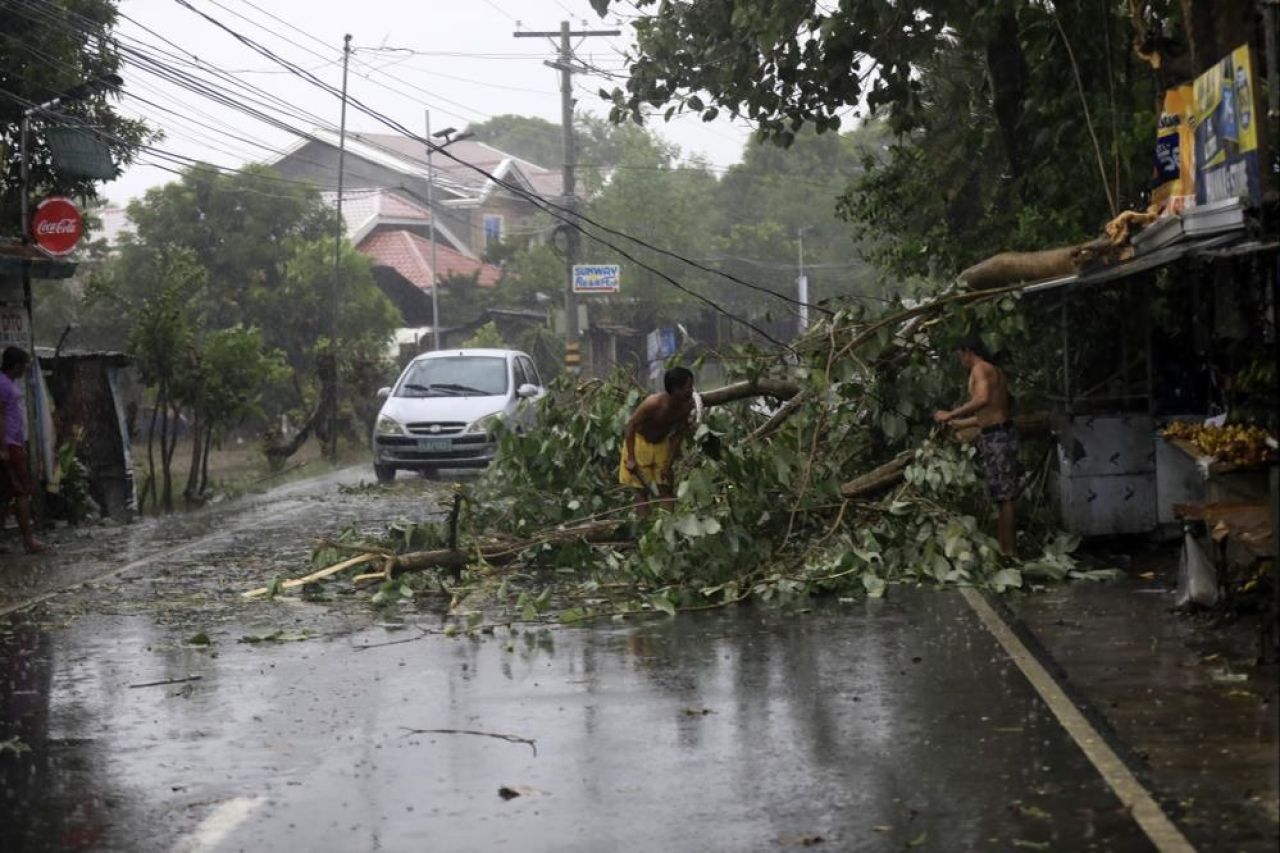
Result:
[[652, 460]]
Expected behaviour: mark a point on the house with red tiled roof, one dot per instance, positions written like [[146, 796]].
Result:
[[482, 195], [394, 231]]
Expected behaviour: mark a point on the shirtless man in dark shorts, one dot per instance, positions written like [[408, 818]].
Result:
[[988, 410], [651, 442]]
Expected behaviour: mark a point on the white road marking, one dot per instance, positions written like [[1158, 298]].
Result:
[[220, 823], [1166, 837]]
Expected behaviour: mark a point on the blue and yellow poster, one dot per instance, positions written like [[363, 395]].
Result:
[[1228, 161], [1174, 176]]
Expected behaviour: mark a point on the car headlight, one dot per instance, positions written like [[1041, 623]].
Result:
[[486, 424], [389, 426]]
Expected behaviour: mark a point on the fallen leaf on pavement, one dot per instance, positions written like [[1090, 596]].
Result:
[[801, 840], [510, 792]]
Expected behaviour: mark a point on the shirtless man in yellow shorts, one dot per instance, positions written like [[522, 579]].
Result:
[[651, 443]]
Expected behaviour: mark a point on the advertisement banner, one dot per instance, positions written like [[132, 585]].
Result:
[[596, 278], [1228, 156], [13, 327], [1175, 165]]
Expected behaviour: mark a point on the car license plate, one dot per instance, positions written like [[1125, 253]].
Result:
[[435, 445]]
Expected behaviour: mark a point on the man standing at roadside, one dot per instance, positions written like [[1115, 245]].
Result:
[[651, 442], [988, 409], [15, 476]]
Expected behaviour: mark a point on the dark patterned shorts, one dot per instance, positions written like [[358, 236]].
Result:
[[1000, 468], [15, 482]]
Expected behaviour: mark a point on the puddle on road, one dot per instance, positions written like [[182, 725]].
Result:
[[869, 725]]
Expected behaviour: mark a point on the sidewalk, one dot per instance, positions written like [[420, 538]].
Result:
[[1182, 694], [81, 554]]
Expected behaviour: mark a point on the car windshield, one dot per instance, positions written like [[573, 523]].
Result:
[[455, 376]]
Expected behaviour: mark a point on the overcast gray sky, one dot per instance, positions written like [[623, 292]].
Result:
[[469, 68]]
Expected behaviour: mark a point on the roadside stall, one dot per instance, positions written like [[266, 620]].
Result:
[[1167, 393]]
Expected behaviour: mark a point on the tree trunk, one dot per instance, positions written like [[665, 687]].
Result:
[[894, 471], [175, 417], [150, 485], [278, 454], [762, 387], [1009, 268], [193, 489], [596, 531], [1007, 68], [1214, 28], [166, 487], [204, 463], [873, 482]]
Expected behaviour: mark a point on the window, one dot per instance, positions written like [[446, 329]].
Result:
[[517, 368], [455, 376], [531, 372], [492, 229]]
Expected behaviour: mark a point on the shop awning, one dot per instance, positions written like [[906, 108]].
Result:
[[42, 266]]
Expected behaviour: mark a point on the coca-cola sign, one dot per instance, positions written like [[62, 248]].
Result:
[[57, 226]]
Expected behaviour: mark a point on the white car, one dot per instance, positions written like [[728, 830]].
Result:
[[442, 410]]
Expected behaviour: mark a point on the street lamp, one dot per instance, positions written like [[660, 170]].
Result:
[[447, 135]]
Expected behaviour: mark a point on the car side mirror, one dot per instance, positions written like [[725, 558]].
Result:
[[527, 390], [384, 393]]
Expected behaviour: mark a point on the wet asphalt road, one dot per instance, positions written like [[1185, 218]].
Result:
[[896, 724]]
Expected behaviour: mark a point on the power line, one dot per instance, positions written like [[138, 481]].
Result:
[[296, 29], [570, 217], [535, 200], [484, 83], [184, 121]]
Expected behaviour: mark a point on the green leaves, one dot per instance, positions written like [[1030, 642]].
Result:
[[1006, 579], [662, 604], [692, 527], [757, 518]]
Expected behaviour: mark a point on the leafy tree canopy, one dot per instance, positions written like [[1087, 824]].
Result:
[[1017, 123], [46, 49], [264, 251]]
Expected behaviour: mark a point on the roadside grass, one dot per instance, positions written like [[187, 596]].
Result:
[[239, 468]]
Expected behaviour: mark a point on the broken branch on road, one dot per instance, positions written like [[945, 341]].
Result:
[[508, 738], [168, 681]]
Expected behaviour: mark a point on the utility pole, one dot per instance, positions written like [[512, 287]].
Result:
[[339, 232], [448, 135], [76, 93], [431, 208], [802, 286], [564, 64]]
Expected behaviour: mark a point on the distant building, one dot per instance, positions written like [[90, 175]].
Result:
[[475, 208], [393, 231]]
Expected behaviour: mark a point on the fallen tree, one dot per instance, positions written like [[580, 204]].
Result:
[[842, 486], [1013, 268]]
